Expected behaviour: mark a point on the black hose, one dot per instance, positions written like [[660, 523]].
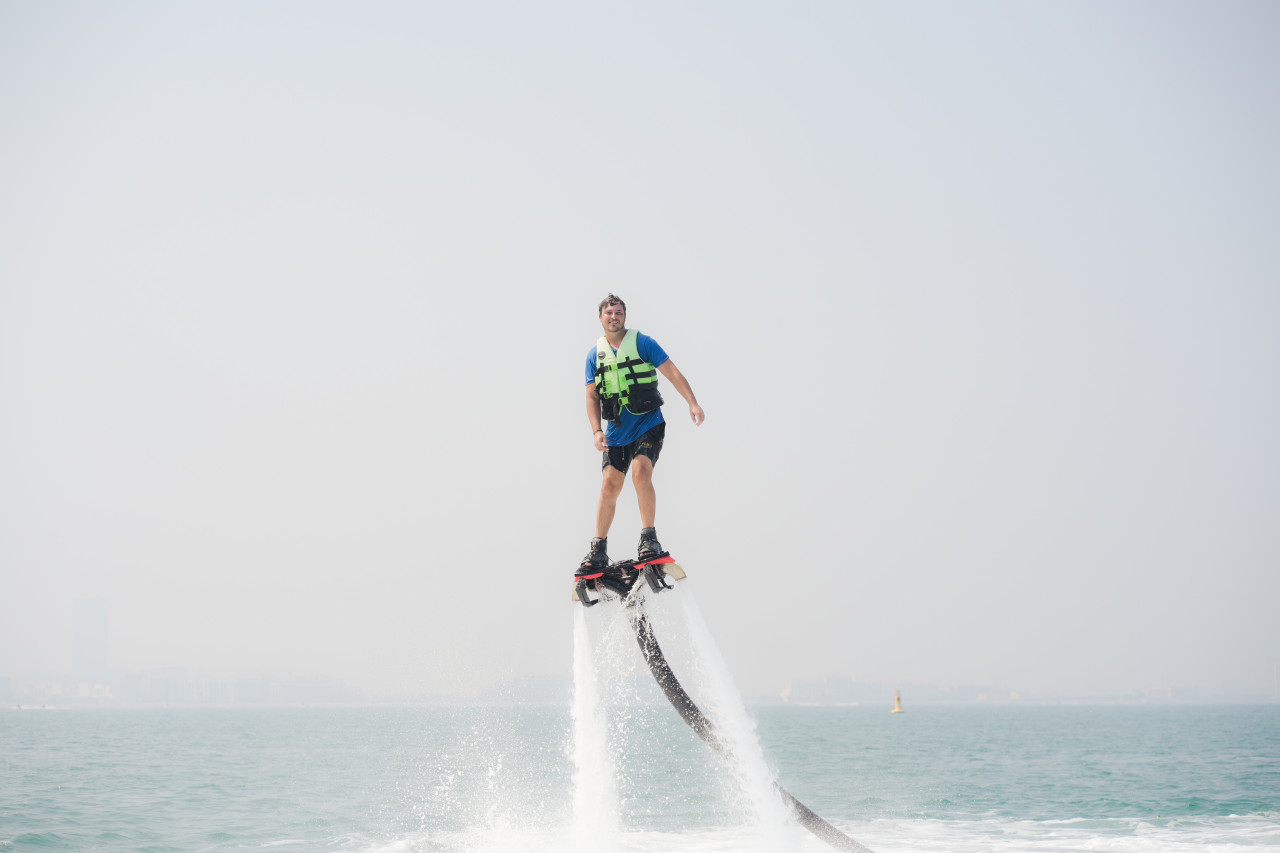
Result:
[[702, 726]]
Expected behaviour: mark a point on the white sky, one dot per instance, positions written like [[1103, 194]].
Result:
[[981, 301]]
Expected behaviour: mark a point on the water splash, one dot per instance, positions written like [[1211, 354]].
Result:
[[722, 704], [595, 796], [621, 718]]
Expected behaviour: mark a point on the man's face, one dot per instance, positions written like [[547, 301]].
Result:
[[613, 318]]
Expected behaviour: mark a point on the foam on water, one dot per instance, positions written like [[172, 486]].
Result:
[[1255, 834], [1003, 835]]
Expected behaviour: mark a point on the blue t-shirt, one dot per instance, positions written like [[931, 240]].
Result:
[[628, 427]]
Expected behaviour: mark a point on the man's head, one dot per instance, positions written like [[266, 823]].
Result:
[[612, 300], [613, 315]]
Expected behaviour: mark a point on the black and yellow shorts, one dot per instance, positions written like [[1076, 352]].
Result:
[[649, 444]]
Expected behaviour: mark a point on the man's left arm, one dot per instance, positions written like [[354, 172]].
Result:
[[676, 378]]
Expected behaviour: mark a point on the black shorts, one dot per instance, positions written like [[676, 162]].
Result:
[[649, 444]]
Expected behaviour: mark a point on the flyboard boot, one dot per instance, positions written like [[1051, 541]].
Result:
[[655, 563], [595, 574], [597, 558], [649, 550]]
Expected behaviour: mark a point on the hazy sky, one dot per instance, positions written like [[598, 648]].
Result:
[[981, 301]]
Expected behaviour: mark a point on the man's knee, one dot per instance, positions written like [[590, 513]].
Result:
[[641, 470], [611, 482]]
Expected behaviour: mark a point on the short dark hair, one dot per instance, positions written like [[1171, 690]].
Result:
[[611, 300]]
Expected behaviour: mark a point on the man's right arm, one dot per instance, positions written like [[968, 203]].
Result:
[[593, 417]]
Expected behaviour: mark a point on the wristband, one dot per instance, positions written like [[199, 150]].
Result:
[[597, 430]]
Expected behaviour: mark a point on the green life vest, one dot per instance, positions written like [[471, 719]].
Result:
[[624, 379]]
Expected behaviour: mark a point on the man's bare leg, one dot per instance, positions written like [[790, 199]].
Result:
[[610, 487], [646, 497]]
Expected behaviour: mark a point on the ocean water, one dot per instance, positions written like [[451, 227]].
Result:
[[479, 779], [619, 771]]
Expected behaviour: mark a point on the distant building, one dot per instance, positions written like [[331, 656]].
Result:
[[89, 640], [315, 692], [847, 691], [252, 691]]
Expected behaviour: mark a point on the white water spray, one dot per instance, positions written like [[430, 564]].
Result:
[[595, 797], [722, 705], [611, 710]]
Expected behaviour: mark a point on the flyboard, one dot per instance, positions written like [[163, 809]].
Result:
[[618, 581]]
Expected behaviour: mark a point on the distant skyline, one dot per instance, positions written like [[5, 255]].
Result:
[[181, 687], [980, 300], [90, 680]]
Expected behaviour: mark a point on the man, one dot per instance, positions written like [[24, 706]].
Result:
[[622, 388]]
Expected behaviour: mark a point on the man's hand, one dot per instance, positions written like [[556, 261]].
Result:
[[600, 444], [695, 412]]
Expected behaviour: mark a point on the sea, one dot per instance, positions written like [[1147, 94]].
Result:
[[618, 770]]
